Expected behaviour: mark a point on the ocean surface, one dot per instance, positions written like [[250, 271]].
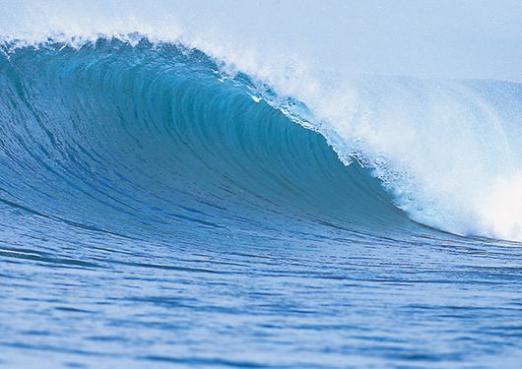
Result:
[[162, 208]]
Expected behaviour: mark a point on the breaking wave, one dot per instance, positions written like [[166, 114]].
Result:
[[142, 136]]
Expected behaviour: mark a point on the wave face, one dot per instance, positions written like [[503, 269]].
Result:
[[155, 193], [164, 117], [154, 136]]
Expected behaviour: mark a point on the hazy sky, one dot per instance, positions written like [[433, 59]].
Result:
[[443, 38]]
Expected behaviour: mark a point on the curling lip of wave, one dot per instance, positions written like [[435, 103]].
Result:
[[143, 86]]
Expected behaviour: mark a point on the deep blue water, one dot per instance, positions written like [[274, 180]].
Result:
[[154, 214]]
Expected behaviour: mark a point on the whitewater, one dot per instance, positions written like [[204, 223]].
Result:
[[264, 184]]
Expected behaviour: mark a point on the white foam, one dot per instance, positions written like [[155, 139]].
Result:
[[501, 210]]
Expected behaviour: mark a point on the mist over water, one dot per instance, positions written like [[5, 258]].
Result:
[[260, 184]]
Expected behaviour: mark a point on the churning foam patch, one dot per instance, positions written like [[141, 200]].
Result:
[[501, 210]]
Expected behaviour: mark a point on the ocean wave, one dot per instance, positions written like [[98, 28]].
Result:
[[152, 137], [260, 184], [157, 133]]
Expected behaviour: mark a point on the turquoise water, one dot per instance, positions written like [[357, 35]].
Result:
[[157, 211]]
